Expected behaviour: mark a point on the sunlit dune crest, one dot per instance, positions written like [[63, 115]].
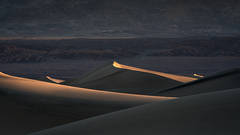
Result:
[[3, 75], [29, 86], [179, 78], [197, 75], [112, 77], [220, 81], [30, 105], [55, 80]]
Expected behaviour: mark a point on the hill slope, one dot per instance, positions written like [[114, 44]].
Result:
[[200, 114], [29, 105], [121, 78], [220, 81]]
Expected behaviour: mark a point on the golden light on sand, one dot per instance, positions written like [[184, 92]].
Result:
[[55, 80], [117, 65], [197, 75], [34, 87], [179, 78]]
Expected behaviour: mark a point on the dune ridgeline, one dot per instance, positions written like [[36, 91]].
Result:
[[31, 105], [127, 79], [119, 99]]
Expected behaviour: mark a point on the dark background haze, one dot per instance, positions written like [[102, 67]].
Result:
[[67, 38], [119, 18]]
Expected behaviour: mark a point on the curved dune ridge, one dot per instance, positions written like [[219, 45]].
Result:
[[204, 114], [220, 81], [179, 78], [197, 75], [31, 105], [11, 84], [198, 107], [121, 78], [55, 80]]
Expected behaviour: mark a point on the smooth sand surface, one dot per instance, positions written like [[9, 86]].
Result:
[[121, 78], [205, 114], [29, 105], [19, 118], [220, 81]]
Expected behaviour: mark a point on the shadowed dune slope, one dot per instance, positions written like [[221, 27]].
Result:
[[204, 114], [220, 81], [121, 78], [19, 118], [29, 105]]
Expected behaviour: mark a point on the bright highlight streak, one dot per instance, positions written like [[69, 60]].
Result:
[[197, 75], [55, 80], [179, 78], [21, 85]]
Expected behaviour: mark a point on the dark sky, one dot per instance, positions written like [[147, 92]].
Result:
[[119, 18]]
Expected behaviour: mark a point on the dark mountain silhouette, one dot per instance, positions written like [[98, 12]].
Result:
[[30, 50], [168, 18]]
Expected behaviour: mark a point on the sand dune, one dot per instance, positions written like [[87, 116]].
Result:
[[179, 78], [204, 114], [220, 81], [29, 105], [121, 78], [18, 85], [19, 118]]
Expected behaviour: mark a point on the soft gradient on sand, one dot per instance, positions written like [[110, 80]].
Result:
[[204, 114], [36, 105]]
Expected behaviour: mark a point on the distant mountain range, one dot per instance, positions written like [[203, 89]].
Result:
[[119, 18], [45, 50]]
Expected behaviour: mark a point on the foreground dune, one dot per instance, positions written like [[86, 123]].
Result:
[[205, 114], [16, 85], [121, 78], [34, 105], [220, 81]]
